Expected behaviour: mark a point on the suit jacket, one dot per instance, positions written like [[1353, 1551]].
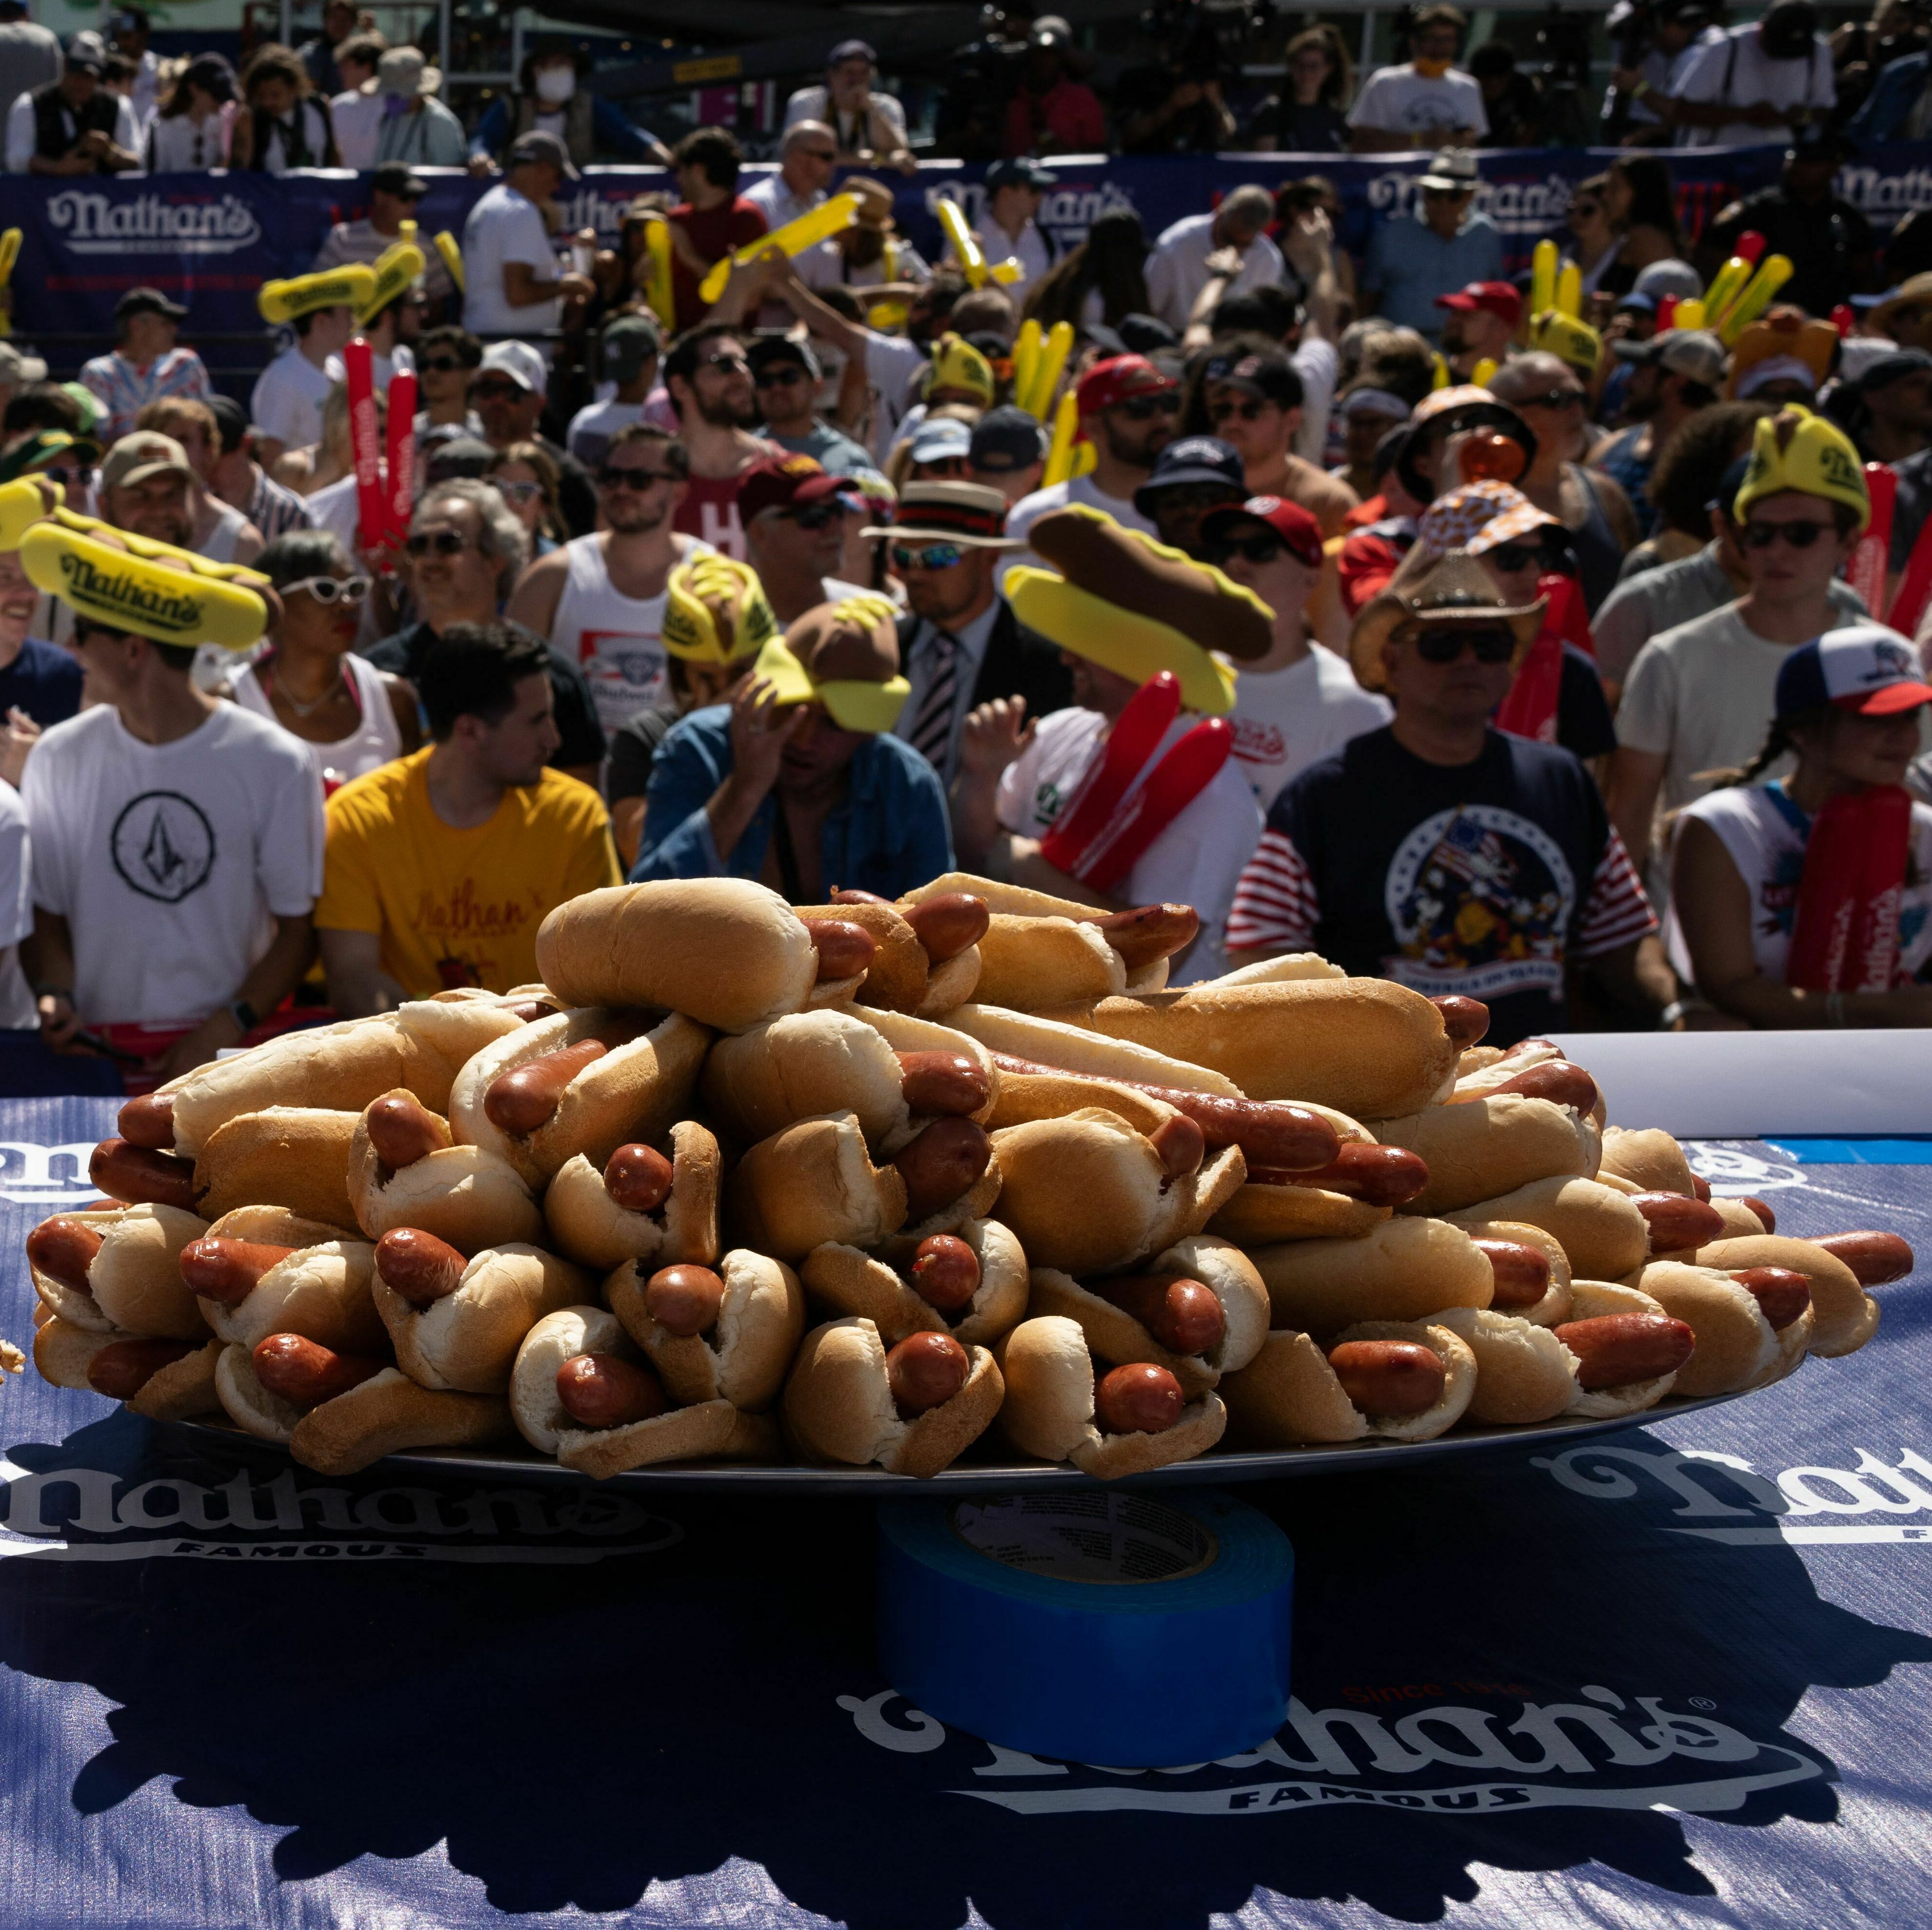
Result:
[[1018, 662]]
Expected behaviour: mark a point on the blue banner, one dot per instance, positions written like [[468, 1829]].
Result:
[[211, 240]]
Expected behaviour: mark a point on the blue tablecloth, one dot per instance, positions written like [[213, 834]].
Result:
[[1672, 1677]]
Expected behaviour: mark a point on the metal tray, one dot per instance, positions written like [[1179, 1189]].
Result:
[[990, 1477]]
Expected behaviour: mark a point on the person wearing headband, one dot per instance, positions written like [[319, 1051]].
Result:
[[1699, 698], [1440, 852], [799, 782]]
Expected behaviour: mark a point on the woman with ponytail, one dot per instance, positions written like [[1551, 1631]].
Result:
[[1807, 900]]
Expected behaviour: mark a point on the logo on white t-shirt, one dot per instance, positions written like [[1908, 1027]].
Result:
[[163, 845]]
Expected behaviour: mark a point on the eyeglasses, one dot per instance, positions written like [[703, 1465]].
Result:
[[1446, 193], [1145, 408], [440, 364], [633, 476], [1445, 646], [516, 493], [783, 376], [330, 590], [732, 365], [828, 155], [492, 390], [1249, 411], [1553, 399], [69, 478], [1801, 535], [436, 542], [1258, 548], [817, 515], [928, 556]]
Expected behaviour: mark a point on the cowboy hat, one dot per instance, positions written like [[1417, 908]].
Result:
[[1454, 588]]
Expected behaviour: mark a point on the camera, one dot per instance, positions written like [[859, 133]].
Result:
[[1206, 40]]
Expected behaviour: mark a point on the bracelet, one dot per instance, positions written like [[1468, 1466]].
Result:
[[1679, 1008], [244, 1016], [1835, 1008]]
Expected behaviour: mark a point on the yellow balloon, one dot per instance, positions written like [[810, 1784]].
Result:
[[1569, 290], [820, 224], [1542, 277], [452, 252], [972, 257], [1773, 271], [1059, 451]]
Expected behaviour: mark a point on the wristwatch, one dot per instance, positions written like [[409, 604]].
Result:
[[244, 1016], [1681, 1008]]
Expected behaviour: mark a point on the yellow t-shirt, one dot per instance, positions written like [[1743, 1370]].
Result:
[[458, 908]]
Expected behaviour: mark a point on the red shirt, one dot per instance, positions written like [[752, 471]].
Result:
[[1068, 114], [709, 510], [714, 233]]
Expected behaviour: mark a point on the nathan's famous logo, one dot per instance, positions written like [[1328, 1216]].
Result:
[[120, 591], [82, 1514], [1517, 207], [1722, 1498], [35, 1176], [1601, 1751], [91, 223]]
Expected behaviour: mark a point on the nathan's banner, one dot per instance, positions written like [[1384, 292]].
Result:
[[211, 240]]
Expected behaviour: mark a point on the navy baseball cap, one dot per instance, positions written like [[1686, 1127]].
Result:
[[1005, 440], [1864, 668], [1192, 459]]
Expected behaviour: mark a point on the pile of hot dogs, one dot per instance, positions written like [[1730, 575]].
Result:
[[861, 1184]]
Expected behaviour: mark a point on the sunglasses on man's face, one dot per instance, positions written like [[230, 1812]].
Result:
[[927, 556], [491, 391], [440, 364], [632, 476], [1800, 535], [435, 542], [818, 515], [783, 376], [1226, 410], [1259, 548], [1145, 408], [1553, 399], [1445, 646], [70, 478], [1509, 557], [517, 494], [732, 363]]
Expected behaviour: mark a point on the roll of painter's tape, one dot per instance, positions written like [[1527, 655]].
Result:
[[1108, 1627]]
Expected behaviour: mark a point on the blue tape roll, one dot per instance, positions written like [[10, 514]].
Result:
[[1180, 1655]]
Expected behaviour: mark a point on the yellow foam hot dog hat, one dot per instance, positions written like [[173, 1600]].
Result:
[[349, 287], [127, 592], [9, 252], [156, 551], [1568, 340], [395, 268], [867, 705], [22, 503], [715, 611], [1794, 449], [451, 250]]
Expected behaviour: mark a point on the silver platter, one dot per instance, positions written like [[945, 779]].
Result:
[[990, 1477]]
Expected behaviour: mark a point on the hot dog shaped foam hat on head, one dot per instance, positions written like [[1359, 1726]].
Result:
[[153, 596], [349, 287], [395, 268]]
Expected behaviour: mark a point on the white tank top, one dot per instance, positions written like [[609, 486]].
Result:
[[617, 640], [229, 523], [376, 740]]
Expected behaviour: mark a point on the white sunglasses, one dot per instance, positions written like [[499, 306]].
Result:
[[327, 589]]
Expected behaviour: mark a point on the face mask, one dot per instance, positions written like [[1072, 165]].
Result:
[[556, 84], [393, 104], [1431, 70]]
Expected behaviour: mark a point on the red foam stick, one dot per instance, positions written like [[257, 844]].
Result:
[[372, 512], [1135, 736], [1915, 586], [1189, 766], [401, 477], [1843, 319], [1750, 245], [1666, 313], [1845, 935], [1873, 557]]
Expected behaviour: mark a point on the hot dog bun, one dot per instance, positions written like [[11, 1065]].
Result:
[[321, 1291], [1524, 1373], [844, 1281], [1049, 1411], [63, 1351], [1027, 965], [539, 1415], [1052, 1042], [1259, 1215], [470, 1197], [911, 1032], [247, 1403], [636, 1091], [589, 1226], [1604, 1235], [811, 1182], [1595, 1300], [1651, 1157], [1017, 901], [467, 1341], [1114, 1336], [743, 1357], [839, 1407], [1489, 1147], [713, 1430], [1844, 1315], [135, 1280], [1402, 1269], [1554, 1306], [730, 953], [896, 978], [1290, 966], [1289, 1396], [389, 1413], [1737, 1347], [758, 1083], [1087, 1193], [1371, 1048], [291, 1156]]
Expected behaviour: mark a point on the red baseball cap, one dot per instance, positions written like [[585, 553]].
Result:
[[1115, 380], [785, 482], [1299, 533], [1499, 298]]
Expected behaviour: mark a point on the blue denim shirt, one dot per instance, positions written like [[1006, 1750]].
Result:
[[1899, 84], [1411, 264], [888, 834]]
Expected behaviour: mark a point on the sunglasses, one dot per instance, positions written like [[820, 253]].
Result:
[[439, 542], [1554, 399], [1145, 408], [781, 377], [1799, 535], [330, 589], [491, 390], [1508, 557], [518, 493], [1249, 411], [732, 365], [1258, 549], [818, 515], [612, 477], [825, 154], [928, 556], [440, 364], [68, 478], [1445, 646]]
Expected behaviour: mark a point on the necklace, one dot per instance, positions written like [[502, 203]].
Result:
[[314, 703]]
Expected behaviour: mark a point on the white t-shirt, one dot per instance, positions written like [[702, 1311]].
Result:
[[1285, 720], [335, 509], [21, 134], [588, 438], [1177, 270], [358, 119], [168, 860], [1406, 102], [505, 227], [1734, 68], [1196, 860], [1080, 489], [1031, 251], [1319, 366], [885, 130], [891, 363], [1765, 835], [17, 911], [286, 405]]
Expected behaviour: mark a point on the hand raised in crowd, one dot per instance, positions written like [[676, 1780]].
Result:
[[992, 736], [1306, 241], [1223, 264], [760, 732], [16, 739]]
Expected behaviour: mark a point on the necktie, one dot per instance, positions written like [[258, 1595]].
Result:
[[932, 728]]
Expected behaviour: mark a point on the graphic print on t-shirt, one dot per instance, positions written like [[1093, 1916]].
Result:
[[467, 930], [1480, 901], [163, 845], [625, 670]]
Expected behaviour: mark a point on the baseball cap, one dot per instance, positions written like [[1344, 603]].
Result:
[[539, 145], [146, 452], [19, 369], [147, 301], [1113, 381], [86, 55], [1005, 440], [1894, 366], [1023, 173], [851, 50], [1499, 298], [1192, 459], [520, 362], [1369, 401], [1695, 352], [769, 350], [938, 441], [1272, 378], [1864, 668], [1143, 334], [1299, 533], [1774, 368], [398, 178], [1669, 276], [785, 482], [626, 344]]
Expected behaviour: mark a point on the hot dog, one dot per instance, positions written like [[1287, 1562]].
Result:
[[1615, 1349], [1180, 1145], [1465, 1020], [925, 1371], [1678, 1223], [945, 1272], [1737, 1347], [951, 1084], [641, 1205], [1404, 1269], [305, 1374], [1487, 1146], [1524, 1373], [1767, 1219], [526, 1096], [115, 1271], [404, 1170], [1182, 1315], [815, 1181], [149, 1121], [1845, 1315], [972, 1283], [1149, 932], [1521, 1273], [403, 1130], [942, 1165], [844, 948], [637, 1178], [141, 1175], [1876, 1259], [122, 1368], [226, 1270], [684, 1299], [1559, 1081], [456, 1324], [63, 1248], [417, 1266], [1389, 1379], [1138, 1399], [726, 1332], [262, 1270], [1782, 1295], [1629, 1350], [948, 925], [606, 1390], [1370, 1380], [1380, 1175]]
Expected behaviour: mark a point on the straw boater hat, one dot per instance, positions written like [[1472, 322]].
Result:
[[967, 513], [1453, 588]]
